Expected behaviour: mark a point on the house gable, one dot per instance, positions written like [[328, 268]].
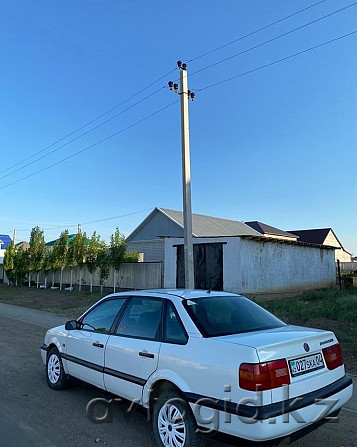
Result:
[[324, 236], [157, 224]]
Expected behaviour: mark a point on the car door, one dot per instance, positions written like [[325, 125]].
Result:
[[86, 346], [132, 351]]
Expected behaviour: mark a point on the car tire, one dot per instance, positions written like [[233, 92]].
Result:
[[55, 374], [173, 418]]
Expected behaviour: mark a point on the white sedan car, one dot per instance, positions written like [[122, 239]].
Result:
[[202, 361]]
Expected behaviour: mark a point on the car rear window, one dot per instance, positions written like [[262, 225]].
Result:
[[225, 315]]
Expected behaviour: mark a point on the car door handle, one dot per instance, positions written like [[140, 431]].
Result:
[[146, 354], [98, 345]]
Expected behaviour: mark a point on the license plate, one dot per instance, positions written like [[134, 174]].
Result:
[[307, 364]]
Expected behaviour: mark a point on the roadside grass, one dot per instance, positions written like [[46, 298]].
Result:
[[329, 309], [340, 305], [60, 302]]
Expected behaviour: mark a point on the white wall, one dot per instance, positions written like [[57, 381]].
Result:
[[261, 267], [277, 267]]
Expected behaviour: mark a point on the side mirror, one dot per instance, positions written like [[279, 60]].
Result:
[[71, 325]]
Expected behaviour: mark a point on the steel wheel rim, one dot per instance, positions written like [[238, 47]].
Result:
[[171, 425], [53, 368]]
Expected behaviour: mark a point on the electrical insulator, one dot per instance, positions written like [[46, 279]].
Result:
[[171, 84], [176, 86]]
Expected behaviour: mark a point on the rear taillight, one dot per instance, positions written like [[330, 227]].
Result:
[[333, 356], [263, 376]]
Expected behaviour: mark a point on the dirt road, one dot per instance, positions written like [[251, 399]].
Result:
[[33, 415]]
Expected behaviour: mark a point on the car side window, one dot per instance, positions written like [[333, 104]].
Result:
[[101, 318], [142, 319], [174, 332]]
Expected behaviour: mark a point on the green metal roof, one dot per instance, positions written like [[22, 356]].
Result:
[[70, 240]]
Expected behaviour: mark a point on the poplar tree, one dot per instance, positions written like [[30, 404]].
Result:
[[36, 252], [79, 248], [117, 252], [60, 253]]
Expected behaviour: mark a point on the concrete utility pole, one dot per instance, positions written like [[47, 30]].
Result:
[[186, 174], [14, 237]]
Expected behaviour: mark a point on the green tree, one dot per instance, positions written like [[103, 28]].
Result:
[[47, 264], [103, 261], [53, 265], [21, 265], [71, 262], [36, 252], [79, 248], [131, 256], [94, 244], [9, 258], [60, 253], [117, 252]]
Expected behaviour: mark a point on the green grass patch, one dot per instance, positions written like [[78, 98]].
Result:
[[339, 305], [330, 309]]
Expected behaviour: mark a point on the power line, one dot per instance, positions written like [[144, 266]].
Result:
[[90, 147], [83, 134], [273, 39], [198, 90], [93, 221], [89, 122], [195, 72], [204, 88], [256, 31], [277, 61], [140, 91]]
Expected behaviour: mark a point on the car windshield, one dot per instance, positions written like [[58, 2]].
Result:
[[225, 315]]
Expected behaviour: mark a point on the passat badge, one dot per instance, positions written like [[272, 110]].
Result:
[[306, 347]]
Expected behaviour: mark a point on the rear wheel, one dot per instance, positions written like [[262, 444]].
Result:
[[173, 422], [55, 375]]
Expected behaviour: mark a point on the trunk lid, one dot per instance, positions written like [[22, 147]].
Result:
[[293, 343]]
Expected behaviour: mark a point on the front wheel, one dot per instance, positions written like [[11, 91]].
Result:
[[173, 422], [55, 375]]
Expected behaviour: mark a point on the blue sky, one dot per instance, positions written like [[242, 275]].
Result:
[[277, 145]]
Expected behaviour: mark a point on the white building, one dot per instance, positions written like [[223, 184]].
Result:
[[231, 255]]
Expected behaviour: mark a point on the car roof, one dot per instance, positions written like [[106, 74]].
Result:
[[179, 293]]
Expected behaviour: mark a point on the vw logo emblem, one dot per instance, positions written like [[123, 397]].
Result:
[[306, 347]]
